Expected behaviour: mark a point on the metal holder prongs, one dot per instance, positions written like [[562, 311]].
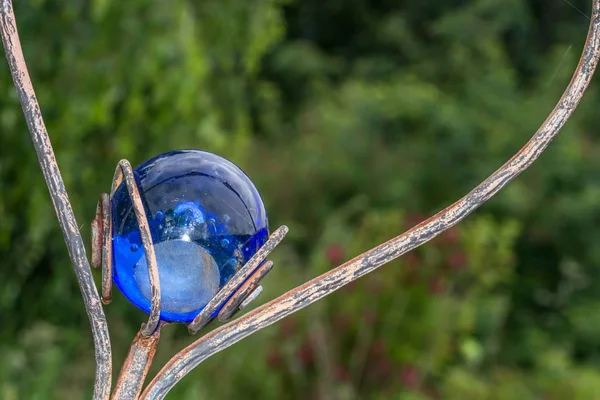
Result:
[[238, 292], [242, 288]]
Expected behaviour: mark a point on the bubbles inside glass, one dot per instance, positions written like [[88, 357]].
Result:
[[206, 219]]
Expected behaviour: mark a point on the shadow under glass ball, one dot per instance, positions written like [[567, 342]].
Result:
[[206, 220]]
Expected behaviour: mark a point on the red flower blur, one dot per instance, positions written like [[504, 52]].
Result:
[[335, 254], [410, 377]]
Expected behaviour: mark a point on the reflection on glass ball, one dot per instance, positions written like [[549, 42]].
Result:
[[206, 219]]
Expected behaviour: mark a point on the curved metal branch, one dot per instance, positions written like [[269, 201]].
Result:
[[232, 286], [327, 283], [102, 245], [125, 172], [136, 366], [60, 199], [106, 253], [245, 290]]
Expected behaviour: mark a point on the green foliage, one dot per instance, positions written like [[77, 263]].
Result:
[[355, 120]]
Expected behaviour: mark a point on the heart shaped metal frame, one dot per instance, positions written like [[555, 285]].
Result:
[[129, 385]]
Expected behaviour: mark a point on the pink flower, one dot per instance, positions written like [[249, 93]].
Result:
[[274, 359], [436, 286], [451, 236], [335, 254], [457, 260], [305, 354], [410, 377], [288, 327], [411, 259]]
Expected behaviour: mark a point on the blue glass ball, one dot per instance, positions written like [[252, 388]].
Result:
[[206, 219]]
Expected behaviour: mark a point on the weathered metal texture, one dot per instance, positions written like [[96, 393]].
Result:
[[207, 313], [233, 304], [296, 299], [125, 172], [106, 250], [136, 366], [96, 228], [60, 199], [251, 297], [319, 287], [101, 245]]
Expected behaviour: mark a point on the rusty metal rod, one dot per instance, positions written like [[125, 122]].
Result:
[[207, 313], [102, 245], [136, 366], [60, 199], [106, 250], [125, 172], [319, 287], [242, 293], [310, 291], [251, 297], [97, 233]]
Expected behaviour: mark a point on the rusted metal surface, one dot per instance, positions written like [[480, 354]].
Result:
[[102, 245], [233, 304], [106, 249], [329, 282], [251, 297], [60, 199], [125, 172], [292, 301], [96, 229], [136, 366], [207, 313]]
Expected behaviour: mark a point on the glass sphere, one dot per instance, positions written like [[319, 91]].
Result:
[[206, 219]]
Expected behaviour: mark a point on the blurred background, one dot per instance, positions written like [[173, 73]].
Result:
[[356, 120]]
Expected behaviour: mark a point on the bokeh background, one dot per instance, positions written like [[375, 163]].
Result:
[[356, 120]]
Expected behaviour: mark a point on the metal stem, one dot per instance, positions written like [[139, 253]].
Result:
[[124, 171], [107, 253], [60, 199], [136, 366], [303, 295]]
